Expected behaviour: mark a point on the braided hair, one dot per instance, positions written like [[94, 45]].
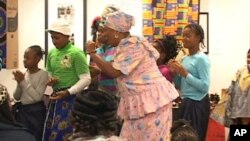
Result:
[[183, 131], [38, 50], [94, 27], [94, 112], [170, 46], [198, 31]]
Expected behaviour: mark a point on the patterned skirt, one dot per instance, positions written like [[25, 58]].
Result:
[[57, 125], [152, 127]]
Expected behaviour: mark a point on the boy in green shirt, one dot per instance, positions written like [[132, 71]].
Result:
[[69, 72]]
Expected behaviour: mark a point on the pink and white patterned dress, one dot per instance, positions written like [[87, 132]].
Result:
[[146, 96]]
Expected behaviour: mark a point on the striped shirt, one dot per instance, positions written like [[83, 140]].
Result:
[[107, 52]]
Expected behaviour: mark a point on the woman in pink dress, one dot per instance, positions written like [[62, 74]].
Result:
[[146, 96]]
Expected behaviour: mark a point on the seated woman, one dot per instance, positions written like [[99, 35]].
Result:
[[94, 117], [9, 129]]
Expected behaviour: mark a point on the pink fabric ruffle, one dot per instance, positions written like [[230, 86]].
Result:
[[147, 99]]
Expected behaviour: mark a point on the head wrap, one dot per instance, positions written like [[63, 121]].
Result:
[[61, 26], [3, 94], [119, 21], [109, 9]]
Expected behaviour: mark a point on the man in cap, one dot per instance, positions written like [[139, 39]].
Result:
[[68, 68]]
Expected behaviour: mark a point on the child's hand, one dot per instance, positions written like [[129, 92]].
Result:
[[171, 67], [18, 76], [52, 81], [176, 67]]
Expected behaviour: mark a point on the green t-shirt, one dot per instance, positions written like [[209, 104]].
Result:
[[66, 64]]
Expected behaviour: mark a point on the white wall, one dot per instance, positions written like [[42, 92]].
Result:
[[229, 25], [229, 33], [204, 5]]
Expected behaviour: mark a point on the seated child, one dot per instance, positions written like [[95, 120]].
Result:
[[94, 117], [10, 130], [183, 131]]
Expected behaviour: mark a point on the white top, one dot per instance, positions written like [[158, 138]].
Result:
[[32, 88]]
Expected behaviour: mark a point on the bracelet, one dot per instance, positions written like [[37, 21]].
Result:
[[94, 51]]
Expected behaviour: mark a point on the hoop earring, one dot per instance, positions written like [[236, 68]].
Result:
[[116, 36]]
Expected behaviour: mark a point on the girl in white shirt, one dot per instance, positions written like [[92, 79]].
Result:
[[31, 110]]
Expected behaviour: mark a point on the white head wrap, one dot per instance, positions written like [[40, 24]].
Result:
[[119, 21]]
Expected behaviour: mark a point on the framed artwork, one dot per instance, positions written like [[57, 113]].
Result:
[[204, 22], [75, 12]]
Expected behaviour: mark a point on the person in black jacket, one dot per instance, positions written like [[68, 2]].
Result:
[[9, 129]]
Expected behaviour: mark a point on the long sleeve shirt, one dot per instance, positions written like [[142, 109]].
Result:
[[32, 88], [196, 85]]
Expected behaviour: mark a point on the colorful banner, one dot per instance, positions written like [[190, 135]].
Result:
[[161, 17]]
